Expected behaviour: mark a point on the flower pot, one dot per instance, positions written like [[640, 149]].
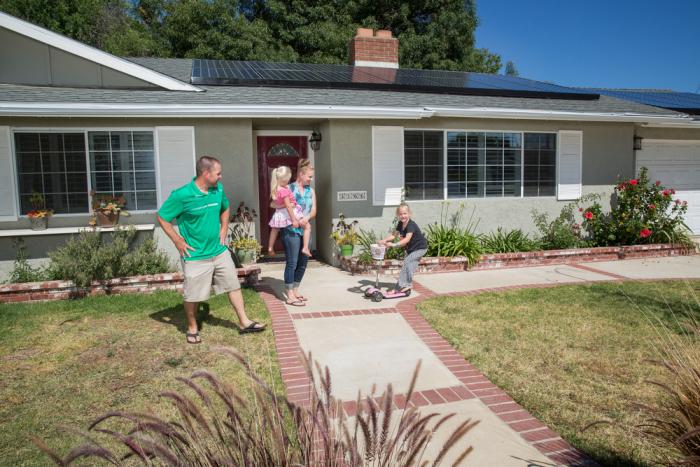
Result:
[[39, 223], [346, 250], [108, 219], [246, 256]]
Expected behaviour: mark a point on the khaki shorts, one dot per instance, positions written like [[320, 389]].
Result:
[[201, 274]]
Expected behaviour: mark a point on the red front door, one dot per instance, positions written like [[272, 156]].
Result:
[[274, 151]]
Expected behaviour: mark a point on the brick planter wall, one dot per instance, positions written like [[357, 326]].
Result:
[[532, 258], [62, 290]]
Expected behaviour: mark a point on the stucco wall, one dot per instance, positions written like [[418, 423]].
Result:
[[607, 155]]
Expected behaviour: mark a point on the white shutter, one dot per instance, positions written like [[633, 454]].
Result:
[[8, 193], [569, 157], [176, 158], [387, 165]]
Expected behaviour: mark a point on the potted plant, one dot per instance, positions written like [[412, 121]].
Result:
[[106, 209], [244, 246], [344, 235], [39, 215]]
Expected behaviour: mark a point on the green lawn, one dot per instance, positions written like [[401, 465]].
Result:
[[68, 362], [572, 355]]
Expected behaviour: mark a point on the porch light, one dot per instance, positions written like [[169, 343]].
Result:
[[638, 143], [315, 140]]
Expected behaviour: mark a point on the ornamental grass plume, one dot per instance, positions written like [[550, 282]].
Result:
[[217, 426]]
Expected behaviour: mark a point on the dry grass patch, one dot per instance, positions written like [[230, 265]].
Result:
[[68, 362], [572, 355]]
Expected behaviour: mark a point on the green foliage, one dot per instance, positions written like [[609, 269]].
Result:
[[564, 231], [512, 241], [432, 34], [449, 238], [22, 271], [87, 258], [642, 212], [343, 233]]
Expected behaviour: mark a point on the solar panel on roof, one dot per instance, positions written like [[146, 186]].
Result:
[[680, 101], [250, 73]]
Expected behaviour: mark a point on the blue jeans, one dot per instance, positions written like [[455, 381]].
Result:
[[295, 260]]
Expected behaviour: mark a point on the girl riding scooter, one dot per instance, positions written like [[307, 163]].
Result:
[[416, 246]]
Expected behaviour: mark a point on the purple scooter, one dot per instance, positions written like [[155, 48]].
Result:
[[374, 292]]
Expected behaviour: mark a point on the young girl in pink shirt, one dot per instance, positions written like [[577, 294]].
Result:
[[287, 211]]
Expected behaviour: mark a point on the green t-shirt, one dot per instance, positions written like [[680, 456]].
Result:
[[198, 217]]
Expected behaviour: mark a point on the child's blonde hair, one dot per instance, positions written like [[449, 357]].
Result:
[[280, 174], [403, 205]]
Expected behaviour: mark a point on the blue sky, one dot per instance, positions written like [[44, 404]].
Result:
[[597, 43]]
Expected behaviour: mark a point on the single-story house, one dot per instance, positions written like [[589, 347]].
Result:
[[74, 119]]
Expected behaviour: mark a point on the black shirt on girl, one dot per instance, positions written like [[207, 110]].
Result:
[[417, 241]]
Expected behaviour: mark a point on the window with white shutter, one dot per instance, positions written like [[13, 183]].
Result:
[[570, 154], [387, 165]]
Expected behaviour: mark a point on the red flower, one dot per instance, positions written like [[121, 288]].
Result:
[[666, 192], [580, 209], [651, 206], [644, 233], [678, 201], [588, 215], [621, 186], [633, 181], [657, 183], [673, 192]]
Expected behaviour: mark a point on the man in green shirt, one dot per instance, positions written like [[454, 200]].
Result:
[[202, 212]]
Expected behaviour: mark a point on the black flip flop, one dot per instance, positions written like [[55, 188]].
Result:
[[254, 326], [195, 335]]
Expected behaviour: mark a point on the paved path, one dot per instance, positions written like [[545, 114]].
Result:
[[365, 344]]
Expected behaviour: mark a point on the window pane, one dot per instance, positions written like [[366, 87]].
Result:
[[548, 141], [29, 162], [433, 191], [432, 173], [124, 181], [75, 162], [58, 202], [98, 141], [456, 156], [121, 141], [547, 172], [476, 157], [547, 188], [78, 202], [27, 142], [144, 160], [532, 157], [433, 157], [511, 189], [512, 140], [146, 200], [122, 160], [55, 183], [476, 140], [455, 173], [511, 173], [102, 181], [532, 173], [511, 156], [414, 191], [77, 182], [433, 139], [143, 141], [530, 189], [548, 157], [456, 190], [475, 190], [456, 139], [475, 173], [413, 139], [100, 161], [494, 140], [52, 162], [130, 198], [413, 174], [145, 180], [413, 157], [494, 189], [532, 141], [51, 142], [74, 142], [494, 156], [30, 183], [494, 173]]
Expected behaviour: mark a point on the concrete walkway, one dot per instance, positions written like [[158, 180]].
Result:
[[366, 344]]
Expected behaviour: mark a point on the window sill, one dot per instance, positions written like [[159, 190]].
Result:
[[67, 230]]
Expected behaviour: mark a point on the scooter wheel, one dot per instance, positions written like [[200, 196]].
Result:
[[377, 296], [368, 293]]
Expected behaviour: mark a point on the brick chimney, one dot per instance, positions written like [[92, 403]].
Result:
[[374, 48]]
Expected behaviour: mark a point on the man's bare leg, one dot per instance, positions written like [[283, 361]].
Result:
[[191, 313], [236, 299]]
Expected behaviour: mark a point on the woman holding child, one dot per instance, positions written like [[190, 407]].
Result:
[[295, 235]]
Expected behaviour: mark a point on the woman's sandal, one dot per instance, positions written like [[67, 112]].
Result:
[[194, 336], [254, 326], [298, 302]]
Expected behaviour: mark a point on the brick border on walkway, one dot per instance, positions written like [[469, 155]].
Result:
[[475, 383]]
